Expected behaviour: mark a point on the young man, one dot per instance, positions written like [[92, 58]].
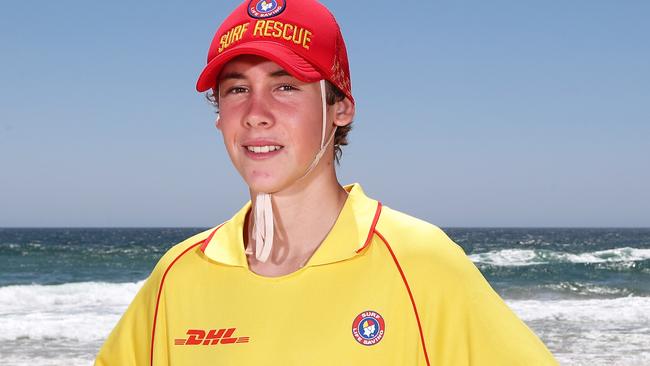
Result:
[[308, 272]]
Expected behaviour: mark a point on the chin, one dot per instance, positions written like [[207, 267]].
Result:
[[265, 182]]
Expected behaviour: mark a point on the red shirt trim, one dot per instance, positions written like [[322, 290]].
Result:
[[203, 244], [372, 227], [408, 288]]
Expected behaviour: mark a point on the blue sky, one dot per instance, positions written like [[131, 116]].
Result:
[[469, 113]]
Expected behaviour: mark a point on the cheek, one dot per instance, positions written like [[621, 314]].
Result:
[[306, 134], [229, 134]]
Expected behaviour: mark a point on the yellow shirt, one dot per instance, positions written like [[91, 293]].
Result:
[[383, 288]]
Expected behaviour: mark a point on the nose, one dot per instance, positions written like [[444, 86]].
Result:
[[258, 113]]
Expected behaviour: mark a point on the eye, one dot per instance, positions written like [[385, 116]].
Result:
[[236, 90], [287, 87]]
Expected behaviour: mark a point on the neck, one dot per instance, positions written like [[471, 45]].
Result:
[[304, 213]]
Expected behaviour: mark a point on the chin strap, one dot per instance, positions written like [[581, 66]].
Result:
[[263, 226], [263, 215]]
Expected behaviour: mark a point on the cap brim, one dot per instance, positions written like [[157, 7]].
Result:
[[283, 56]]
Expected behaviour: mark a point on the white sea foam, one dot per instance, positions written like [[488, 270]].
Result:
[[527, 257], [76, 311], [61, 360], [66, 324], [622, 310], [588, 289], [591, 332]]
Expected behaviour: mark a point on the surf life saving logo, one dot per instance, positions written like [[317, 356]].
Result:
[[368, 328], [262, 9]]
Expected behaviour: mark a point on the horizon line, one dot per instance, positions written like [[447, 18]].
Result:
[[208, 227]]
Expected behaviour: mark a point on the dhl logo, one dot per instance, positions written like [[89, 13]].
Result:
[[213, 336]]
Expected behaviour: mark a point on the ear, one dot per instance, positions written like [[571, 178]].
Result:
[[217, 124], [214, 99], [343, 112]]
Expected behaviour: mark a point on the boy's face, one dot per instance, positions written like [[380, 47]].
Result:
[[264, 108]]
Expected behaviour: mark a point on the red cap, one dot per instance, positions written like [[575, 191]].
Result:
[[302, 36]]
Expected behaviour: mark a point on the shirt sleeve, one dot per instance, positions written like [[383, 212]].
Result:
[[129, 343], [477, 327]]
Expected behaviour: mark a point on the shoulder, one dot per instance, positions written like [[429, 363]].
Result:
[[179, 250], [418, 243], [451, 292], [415, 236], [138, 324]]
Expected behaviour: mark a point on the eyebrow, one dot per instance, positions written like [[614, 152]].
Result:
[[279, 73], [239, 75], [231, 75]]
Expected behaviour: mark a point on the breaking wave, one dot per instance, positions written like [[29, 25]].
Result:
[[528, 257]]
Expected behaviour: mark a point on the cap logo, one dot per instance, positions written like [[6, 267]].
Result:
[[233, 35], [286, 32], [262, 9]]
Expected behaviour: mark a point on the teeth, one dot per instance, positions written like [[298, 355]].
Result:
[[263, 149]]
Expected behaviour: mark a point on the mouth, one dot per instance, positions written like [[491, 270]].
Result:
[[261, 152], [263, 149]]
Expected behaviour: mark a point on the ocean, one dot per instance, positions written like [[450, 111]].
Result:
[[585, 292]]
